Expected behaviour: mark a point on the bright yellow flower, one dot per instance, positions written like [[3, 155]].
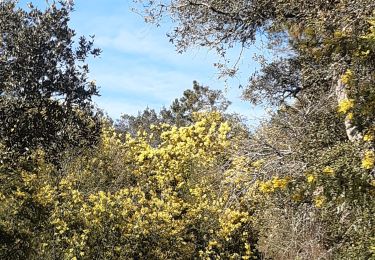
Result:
[[279, 183], [345, 105], [274, 184], [266, 187], [319, 201], [368, 137], [350, 116], [368, 160], [310, 178], [347, 77]]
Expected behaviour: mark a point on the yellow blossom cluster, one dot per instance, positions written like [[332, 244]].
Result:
[[369, 137], [310, 178], [274, 184], [345, 106], [319, 201], [368, 160], [132, 199], [328, 171], [347, 77], [369, 134]]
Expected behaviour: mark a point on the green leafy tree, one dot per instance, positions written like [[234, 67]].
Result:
[[197, 99], [45, 95], [179, 113], [315, 43]]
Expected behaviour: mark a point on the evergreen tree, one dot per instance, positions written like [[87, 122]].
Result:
[[45, 95]]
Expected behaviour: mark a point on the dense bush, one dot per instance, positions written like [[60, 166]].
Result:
[[127, 199]]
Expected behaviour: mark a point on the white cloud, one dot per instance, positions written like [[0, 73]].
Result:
[[138, 66], [147, 82], [155, 47]]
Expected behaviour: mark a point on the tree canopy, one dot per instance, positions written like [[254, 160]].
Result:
[[45, 95], [179, 113]]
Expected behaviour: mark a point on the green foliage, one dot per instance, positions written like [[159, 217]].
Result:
[[45, 97], [179, 113]]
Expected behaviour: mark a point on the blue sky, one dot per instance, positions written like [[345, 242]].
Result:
[[140, 68]]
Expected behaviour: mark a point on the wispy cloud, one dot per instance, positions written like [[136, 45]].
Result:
[[139, 67], [144, 82]]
